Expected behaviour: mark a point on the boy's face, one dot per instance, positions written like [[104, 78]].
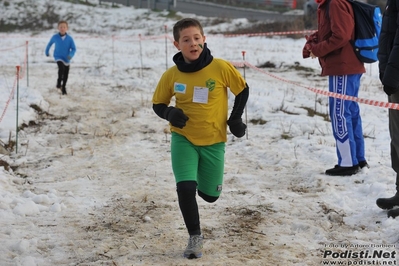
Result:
[[191, 43], [62, 28]]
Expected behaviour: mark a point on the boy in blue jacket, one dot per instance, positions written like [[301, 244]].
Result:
[[64, 51]]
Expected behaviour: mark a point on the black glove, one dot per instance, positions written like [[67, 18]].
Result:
[[176, 117], [237, 127], [390, 90]]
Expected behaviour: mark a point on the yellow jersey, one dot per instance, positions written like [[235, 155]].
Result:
[[203, 97]]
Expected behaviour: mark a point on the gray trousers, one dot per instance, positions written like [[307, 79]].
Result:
[[394, 134]]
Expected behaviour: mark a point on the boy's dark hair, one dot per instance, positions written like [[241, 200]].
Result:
[[184, 24], [62, 21]]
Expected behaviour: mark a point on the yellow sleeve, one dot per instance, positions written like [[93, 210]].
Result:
[[236, 82], [164, 90]]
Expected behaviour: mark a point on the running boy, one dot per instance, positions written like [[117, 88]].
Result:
[[198, 121], [64, 51]]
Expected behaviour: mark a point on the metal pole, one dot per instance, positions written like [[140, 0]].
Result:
[[16, 135], [27, 65], [141, 58], [113, 54], [246, 118], [166, 47]]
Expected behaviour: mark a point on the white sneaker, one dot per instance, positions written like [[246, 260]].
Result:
[[194, 247]]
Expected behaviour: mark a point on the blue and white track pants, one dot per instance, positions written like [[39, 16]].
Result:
[[345, 120]]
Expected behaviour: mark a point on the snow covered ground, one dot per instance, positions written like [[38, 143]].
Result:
[[92, 182]]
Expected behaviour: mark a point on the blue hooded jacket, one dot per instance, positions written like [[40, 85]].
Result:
[[64, 48]]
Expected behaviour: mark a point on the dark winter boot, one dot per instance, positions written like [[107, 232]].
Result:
[[343, 171], [363, 164], [388, 203], [64, 91], [393, 213]]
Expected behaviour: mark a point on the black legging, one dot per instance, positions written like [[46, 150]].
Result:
[[63, 72], [393, 131], [186, 192]]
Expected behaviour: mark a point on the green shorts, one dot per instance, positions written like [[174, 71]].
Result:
[[203, 164]]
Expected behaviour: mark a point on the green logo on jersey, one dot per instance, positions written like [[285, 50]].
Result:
[[210, 84]]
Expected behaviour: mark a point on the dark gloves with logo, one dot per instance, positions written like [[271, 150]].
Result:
[[237, 127], [390, 90], [176, 117]]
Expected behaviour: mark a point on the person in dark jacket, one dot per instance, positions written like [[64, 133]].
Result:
[[331, 45], [388, 56]]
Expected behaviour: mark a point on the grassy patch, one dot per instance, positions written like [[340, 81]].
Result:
[[82, 2], [258, 121], [312, 113], [297, 67], [267, 64]]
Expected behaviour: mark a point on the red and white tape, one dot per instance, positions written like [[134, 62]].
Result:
[[9, 99], [271, 33], [323, 92]]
